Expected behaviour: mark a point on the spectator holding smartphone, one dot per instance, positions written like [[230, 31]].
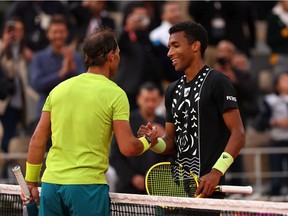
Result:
[[13, 107], [138, 60]]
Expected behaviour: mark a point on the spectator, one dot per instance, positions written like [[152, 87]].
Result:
[[277, 36], [239, 75], [274, 116], [226, 20], [131, 171], [35, 16], [89, 15], [138, 61], [170, 15], [241, 62], [153, 8], [55, 63], [14, 106]]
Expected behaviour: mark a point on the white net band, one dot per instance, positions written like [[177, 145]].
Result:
[[280, 208]]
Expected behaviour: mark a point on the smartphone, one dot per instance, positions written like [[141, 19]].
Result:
[[10, 26], [142, 20]]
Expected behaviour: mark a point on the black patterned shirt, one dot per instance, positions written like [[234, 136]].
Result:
[[196, 109]]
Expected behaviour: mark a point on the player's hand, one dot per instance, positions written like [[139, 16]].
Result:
[[208, 183], [142, 131], [152, 134], [33, 188]]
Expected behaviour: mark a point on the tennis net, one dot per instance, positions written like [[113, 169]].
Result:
[[132, 204]]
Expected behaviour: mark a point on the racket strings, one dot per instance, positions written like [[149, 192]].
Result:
[[171, 180], [183, 178]]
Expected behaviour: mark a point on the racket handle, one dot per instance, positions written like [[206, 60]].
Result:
[[21, 181], [236, 189]]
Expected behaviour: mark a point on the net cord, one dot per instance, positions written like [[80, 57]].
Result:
[[211, 204]]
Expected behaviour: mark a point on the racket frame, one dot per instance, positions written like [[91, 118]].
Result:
[[220, 188], [178, 166]]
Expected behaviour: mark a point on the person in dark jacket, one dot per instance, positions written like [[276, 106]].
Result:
[[138, 60], [88, 16]]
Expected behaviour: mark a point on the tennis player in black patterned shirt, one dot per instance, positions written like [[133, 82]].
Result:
[[203, 123]]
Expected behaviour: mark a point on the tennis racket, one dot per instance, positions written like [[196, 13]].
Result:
[[168, 179], [29, 208]]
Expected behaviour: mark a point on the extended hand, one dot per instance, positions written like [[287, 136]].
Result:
[[144, 130], [150, 132]]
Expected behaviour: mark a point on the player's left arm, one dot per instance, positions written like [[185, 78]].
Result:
[[36, 153], [234, 124], [39, 139], [236, 141]]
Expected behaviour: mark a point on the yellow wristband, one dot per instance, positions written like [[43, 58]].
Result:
[[32, 172], [146, 144], [160, 146], [224, 162]]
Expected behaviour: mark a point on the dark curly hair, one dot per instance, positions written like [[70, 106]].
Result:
[[97, 46]]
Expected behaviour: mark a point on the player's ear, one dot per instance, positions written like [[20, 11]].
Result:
[[111, 56], [196, 46]]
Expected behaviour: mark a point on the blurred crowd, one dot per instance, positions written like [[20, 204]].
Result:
[[41, 46]]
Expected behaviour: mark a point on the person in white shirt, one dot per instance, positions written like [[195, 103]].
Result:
[[170, 15]]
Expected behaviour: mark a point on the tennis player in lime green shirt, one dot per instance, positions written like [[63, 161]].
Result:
[[80, 115]]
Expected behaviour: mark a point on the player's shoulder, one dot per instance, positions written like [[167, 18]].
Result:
[[68, 82], [114, 90], [217, 77], [215, 74]]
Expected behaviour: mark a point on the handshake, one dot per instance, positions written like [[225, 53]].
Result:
[[152, 135]]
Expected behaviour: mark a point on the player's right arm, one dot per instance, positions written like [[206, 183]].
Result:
[[167, 140], [165, 144], [128, 144]]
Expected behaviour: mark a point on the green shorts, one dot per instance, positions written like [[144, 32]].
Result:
[[74, 200]]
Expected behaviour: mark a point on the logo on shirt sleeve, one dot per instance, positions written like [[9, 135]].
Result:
[[231, 98]]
